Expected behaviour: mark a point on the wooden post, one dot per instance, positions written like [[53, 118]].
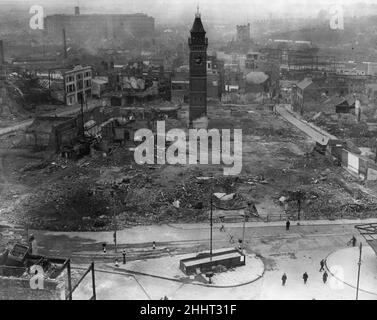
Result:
[[93, 283], [69, 280], [358, 271], [243, 230]]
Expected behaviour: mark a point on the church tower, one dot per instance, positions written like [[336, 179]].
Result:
[[198, 44]]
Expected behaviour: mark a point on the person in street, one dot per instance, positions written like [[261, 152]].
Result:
[[287, 225], [324, 277], [305, 277], [222, 228], [124, 256], [322, 263], [154, 245], [32, 244], [284, 279], [104, 247], [353, 241], [239, 244], [116, 263]]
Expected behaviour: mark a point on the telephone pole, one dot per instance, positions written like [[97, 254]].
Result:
[[114, 219], [243, 230], [358, 271], [211, 224]]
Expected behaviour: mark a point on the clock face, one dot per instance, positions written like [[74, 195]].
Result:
[[198, 59]]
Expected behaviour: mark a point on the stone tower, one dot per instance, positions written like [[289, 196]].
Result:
[[198, 44]]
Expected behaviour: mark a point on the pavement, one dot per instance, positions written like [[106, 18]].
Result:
[[177, 236], [167, 268], [343, 265], [317, 134], [295, 251]]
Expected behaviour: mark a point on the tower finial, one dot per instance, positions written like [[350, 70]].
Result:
[[197, 11]]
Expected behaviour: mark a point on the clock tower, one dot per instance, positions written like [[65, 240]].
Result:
[[198, 44]]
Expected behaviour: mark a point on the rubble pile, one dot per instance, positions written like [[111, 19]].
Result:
[[345, 128], [101, 190]]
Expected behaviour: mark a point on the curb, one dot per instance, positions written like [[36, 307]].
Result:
[[327, 268]]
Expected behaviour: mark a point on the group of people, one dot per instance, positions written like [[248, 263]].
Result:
[[305, 275]]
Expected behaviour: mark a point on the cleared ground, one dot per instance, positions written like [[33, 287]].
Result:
[[56, 194]]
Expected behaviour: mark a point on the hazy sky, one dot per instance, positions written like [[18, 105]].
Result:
[[226, 9]]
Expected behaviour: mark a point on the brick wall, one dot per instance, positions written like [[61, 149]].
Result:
[[19, 289]]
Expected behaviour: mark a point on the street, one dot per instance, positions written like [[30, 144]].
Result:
[[295, 251]]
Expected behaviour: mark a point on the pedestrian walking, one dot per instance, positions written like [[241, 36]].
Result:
[[353, 240], [287, 225], [284, 279], [154, 245], [104, 247], [239, 244], [124, 256], [322, 263], [324, 277], [116, 263], [32, 244], [222, 228], [305, 277]]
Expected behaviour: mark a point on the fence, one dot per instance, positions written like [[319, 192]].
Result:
[[357, 165]]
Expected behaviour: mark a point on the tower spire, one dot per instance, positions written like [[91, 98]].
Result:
[[197, 15]]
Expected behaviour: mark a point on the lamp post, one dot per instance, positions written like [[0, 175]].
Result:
[[244, 220]]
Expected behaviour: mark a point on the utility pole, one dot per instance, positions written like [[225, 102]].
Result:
[[243, 230], [93, 282], [299, 209], [211, 224], [82, 117], [358, 271], [27, 236], [114, 221]]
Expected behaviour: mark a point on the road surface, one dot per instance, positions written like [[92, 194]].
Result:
[[316, 134]]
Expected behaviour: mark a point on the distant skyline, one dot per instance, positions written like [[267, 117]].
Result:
[[230, 10]]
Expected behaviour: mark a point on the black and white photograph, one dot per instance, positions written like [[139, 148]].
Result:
[[207, 152]]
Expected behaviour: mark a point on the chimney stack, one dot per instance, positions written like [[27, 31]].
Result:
[[77, 11], [2, 58], [64, 45]]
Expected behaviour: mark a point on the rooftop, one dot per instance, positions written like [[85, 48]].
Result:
[[197, 27], [305, 83]]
